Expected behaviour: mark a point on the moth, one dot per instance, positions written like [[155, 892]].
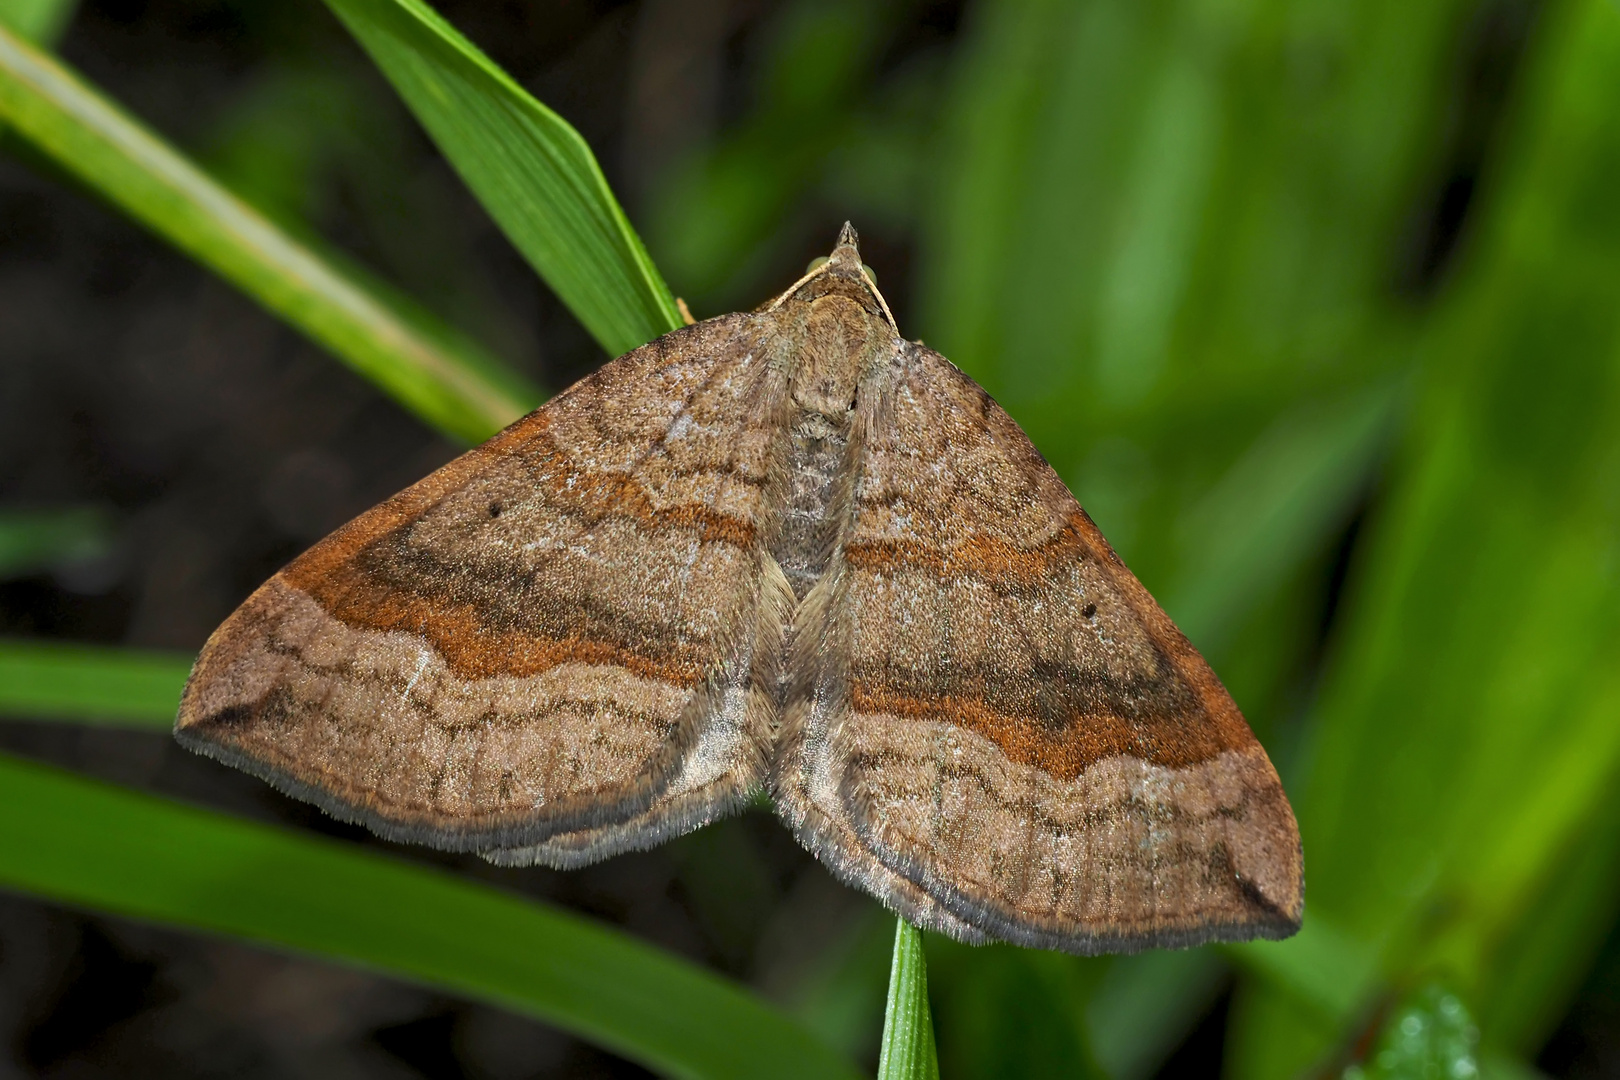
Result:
[[783, 551]]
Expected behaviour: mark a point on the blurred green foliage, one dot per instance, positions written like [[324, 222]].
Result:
[[1191, 246], [1458, 809], [1429, 1036], [37, 20], [34, 540]]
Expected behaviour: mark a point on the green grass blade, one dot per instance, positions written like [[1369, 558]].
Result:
[[40, 21], [441, 378], [98, 684], [908, 1029], [93, 845], [532, 171]]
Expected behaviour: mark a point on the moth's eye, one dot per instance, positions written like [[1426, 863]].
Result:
[[816, 264], [871, 274]]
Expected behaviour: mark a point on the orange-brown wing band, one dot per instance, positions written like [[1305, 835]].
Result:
[[553, 633]]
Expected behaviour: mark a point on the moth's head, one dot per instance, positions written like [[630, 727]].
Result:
[[845, 260], [841, 274]]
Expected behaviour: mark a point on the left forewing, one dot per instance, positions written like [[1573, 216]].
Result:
[[548, 639]]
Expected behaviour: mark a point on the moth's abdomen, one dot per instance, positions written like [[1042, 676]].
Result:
[[812, 509]]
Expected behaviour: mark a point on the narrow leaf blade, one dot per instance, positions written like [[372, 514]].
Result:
[[41, 21], [88, 683], [427, 368], [908, 1027], [532, 171], [97, 846]]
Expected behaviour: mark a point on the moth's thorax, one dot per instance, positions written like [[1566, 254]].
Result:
[[836, 350]]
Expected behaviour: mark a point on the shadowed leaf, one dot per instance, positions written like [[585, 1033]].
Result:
[[79, 842]]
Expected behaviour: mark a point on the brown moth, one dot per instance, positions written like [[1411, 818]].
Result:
[[786, 551]]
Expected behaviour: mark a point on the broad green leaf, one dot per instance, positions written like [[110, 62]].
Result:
[[428, 369], [40, 21], [908, 1027], [91, 845], [91, 684], [34, 540], [532, 171]]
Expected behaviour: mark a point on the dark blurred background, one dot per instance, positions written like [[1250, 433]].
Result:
[[207, 443]]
